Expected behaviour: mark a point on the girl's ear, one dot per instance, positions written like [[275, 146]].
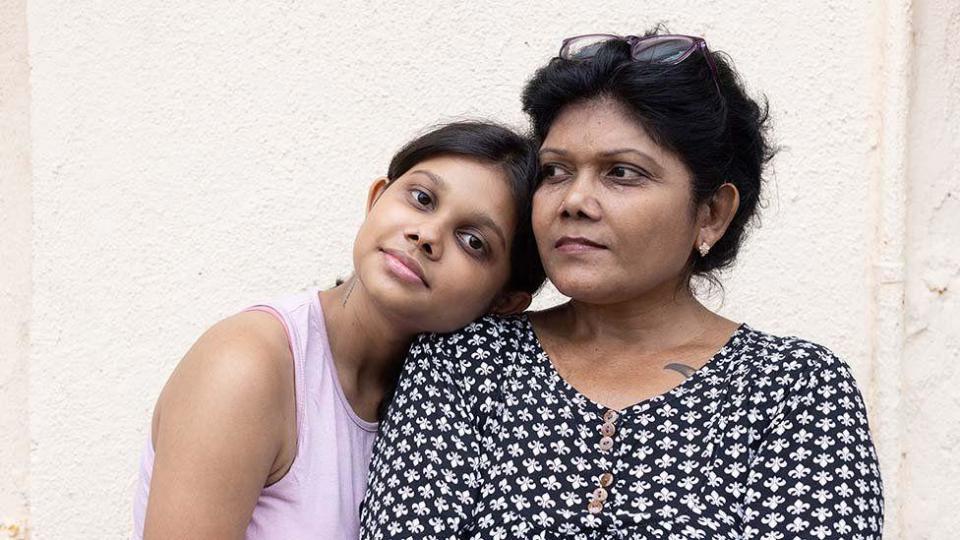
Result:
[[376, 190], [509, 303]]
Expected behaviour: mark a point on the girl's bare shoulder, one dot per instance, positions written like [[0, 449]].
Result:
[[239, 370]]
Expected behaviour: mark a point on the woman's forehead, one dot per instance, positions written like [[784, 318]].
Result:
[[599, 124], [603, 135]]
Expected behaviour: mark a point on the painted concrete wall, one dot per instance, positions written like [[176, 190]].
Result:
[[930, 479], [178, 161], [15, 271]]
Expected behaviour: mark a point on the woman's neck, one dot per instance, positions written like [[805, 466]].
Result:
[[657, 320]]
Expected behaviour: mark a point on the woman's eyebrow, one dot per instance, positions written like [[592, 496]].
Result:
[[619, 151], [655, 165], [548, 150]]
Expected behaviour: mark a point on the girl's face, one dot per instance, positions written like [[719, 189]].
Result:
[[613, 216], [434, 249]]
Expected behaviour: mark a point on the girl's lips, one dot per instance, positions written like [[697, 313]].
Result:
[[404, 267]]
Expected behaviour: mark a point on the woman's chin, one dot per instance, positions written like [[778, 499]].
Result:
[[593, 291]]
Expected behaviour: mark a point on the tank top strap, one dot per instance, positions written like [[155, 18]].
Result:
[[293, 312]]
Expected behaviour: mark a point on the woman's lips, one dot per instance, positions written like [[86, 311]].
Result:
[[577, 244], [404, 267]]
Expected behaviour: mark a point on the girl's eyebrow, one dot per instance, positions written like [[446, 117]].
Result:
[[438, 182], [486, 221]]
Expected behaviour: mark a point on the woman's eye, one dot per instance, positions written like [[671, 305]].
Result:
[[422, 197], [625, 173], [472, 241], [552, 172]]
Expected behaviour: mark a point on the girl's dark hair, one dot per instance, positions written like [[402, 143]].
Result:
[[721, 137], [516, 155]]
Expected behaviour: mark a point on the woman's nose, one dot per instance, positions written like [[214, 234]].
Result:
[[579, 200]]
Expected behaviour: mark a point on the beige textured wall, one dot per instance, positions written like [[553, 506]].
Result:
[[930, 485], [15, 272], [178, 161]]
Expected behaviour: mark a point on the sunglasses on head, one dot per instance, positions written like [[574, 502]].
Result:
[[669, 49]]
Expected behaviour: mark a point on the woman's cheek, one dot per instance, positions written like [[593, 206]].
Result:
[[540, 214]]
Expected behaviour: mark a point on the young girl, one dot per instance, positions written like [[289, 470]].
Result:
[[265, 428]]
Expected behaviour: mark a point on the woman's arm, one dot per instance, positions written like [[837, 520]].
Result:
[[221, 423], [816, 473], [424, 475]]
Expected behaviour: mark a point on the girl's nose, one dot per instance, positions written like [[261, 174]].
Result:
[[426, 241]]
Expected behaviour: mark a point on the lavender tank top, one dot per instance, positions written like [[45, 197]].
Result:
[[320, 495]]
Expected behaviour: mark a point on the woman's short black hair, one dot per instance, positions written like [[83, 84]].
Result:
[[721, 137], [498, 145]]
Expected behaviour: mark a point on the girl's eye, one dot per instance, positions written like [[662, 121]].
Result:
[[421, 197], [472, 242]]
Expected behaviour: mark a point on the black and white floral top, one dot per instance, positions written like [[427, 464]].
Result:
[[484, 439]]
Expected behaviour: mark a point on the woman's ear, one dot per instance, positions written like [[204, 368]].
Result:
[[509, 303], [376, 190], [717, 213]]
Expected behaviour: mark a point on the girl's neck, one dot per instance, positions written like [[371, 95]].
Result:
[[367, 345]]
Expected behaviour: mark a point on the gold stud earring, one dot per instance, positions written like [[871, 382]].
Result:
[[703, 249]]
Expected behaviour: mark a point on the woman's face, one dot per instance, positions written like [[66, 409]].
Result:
[[613, 216], [434, 249]]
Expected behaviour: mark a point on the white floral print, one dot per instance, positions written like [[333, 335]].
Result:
[[484, 439]]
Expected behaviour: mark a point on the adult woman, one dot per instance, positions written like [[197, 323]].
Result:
[[265, 428], [631, 411]]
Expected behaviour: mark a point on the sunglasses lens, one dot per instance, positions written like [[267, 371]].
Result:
[[584, 47], [665, 50]]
